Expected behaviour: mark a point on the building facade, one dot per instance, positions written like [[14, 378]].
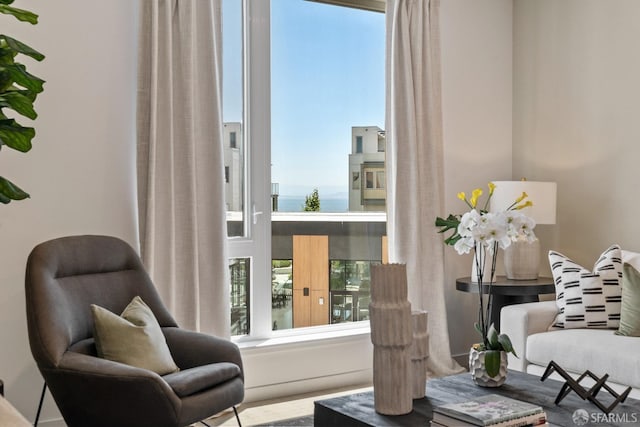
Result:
[[233, 163], [367, 190]]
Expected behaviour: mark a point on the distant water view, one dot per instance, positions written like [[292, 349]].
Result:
[[296, 204]]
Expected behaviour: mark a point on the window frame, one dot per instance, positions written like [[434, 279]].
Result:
[[255, 137]]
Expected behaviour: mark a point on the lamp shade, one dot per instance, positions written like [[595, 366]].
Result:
[[542, 194]]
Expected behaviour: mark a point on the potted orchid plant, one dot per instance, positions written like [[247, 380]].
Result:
[[483, 232]]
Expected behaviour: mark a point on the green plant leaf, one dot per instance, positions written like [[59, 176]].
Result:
[[16, 136], [22, 77], [492, 362], [451, 223], [26, 92], [18, 46], [18, 92], [9, 191], [6, 54], [22, 15], [505, 342], [19, 103], [492, 338]]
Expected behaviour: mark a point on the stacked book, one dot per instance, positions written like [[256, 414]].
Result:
[[490, 410]]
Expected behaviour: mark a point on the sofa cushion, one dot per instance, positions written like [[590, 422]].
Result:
[[588, 299], [632, 258], [600, 351], [630, 311], [190, 381], [133, 338]]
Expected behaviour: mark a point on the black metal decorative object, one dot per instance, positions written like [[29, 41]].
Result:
[[590, 394]]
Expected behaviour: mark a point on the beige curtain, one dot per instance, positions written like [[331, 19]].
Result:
[[414, 164], [180, 160]]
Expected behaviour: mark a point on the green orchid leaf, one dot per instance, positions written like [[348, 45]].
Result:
[[492, 338], [22, 77], [19, 103], [6, 1], [20, 14], [22, 48], [505, 342], [492, 362], [9, 191], [16, 136]]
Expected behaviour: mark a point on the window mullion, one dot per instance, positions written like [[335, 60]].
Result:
[[258, 119]]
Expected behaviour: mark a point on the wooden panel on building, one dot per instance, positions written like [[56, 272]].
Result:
[[310, 281], [385, 250]]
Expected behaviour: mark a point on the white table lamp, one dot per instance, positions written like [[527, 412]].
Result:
[[521, 258]]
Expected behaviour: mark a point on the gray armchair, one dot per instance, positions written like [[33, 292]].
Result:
[[63, 277]]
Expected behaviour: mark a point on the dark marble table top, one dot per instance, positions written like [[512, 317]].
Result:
[[358, 409]]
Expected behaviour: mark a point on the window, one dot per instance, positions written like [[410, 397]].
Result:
[[381, 142], [355, 181], [233, 113], [380, 179], [350, 290], [369, 180], [239, 269], [292, 139]]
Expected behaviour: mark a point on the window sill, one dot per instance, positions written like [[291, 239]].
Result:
[[306, 336]]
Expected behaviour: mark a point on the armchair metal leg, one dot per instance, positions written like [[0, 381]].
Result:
[[235, 411], [44, 389]]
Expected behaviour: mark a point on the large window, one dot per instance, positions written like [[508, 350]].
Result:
[[307, 82]]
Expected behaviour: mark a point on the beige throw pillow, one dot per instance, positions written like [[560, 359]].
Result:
[[133, 338]]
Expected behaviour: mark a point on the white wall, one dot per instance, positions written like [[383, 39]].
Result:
[[81, 169], [576, 91], [477, 105]]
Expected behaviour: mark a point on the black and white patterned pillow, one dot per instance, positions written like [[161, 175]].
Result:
[[588, 299]]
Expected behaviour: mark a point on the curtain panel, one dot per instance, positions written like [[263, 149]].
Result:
[[415, 177], [180, 160]]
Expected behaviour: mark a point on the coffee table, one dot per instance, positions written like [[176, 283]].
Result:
[[358, 409]]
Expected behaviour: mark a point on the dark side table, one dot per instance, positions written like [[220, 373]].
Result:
[[506, 292]]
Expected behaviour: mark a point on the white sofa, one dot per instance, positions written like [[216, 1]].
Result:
[[575, 350]]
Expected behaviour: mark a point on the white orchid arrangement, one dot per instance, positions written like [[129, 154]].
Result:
[[481, 227], [485, 232]]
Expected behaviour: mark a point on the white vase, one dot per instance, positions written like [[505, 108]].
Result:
[[479, 373], [486, 271], [522, 260]]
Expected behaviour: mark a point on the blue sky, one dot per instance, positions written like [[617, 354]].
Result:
[[327, 73]]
